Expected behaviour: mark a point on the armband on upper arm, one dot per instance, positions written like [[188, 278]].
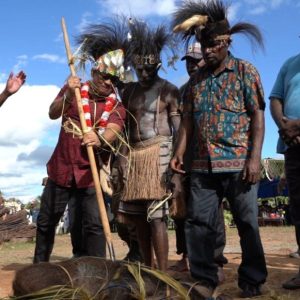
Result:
[[174, 114]]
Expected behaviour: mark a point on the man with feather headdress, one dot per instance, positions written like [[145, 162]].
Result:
[[69, 172], [224, 112], [153, 118]]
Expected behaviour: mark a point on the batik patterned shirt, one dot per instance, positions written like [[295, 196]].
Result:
[[222, 106]]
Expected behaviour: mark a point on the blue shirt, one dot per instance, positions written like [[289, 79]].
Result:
[[287, 89]]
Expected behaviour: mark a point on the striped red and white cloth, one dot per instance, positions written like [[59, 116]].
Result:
[[110, 103], [85, 97]]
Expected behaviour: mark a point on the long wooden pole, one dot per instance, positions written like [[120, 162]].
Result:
[[90, 151]]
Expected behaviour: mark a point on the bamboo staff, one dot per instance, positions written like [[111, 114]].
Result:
[[90, 151]]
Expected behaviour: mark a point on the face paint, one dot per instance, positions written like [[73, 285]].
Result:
[[214, 51], [146, 73]]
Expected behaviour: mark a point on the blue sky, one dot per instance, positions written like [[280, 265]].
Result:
[[32, 41]]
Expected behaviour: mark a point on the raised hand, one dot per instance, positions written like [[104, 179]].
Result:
[[14, 83]]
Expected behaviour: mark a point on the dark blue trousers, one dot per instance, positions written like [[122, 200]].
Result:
[[207, 192], [181, 248]]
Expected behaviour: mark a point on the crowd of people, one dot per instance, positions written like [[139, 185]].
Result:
[[179, 151]]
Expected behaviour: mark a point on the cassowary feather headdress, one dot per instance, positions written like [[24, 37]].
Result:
[[147, 44], [106, 45], [208, 21]]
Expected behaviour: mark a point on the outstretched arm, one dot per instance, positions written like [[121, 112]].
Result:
[[13, 84]]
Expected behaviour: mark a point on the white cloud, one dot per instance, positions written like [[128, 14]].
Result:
[[233, 11], [139, 8], [21, 62], [84, 21], [254, 2], [258, 10], [272, 3], [3, 77], [25, 127], [261, 6], [276, 3], [50, 57], [59, 38], [163, 8]]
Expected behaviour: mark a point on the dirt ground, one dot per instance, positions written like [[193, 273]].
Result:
[[278, 243]]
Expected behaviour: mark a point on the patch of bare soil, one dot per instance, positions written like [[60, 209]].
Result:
[[278, 242]]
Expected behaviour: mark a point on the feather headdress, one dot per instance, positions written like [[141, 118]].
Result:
[[106, 45], [208, 21], [147, 44]]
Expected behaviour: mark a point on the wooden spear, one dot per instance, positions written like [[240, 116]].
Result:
[[90, 151]]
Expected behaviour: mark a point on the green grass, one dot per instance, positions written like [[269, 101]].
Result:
[[16, 246]]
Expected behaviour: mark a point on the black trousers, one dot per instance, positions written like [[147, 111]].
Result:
[[180, 223], [297, 233], [207, 192], [292, 170], [85, 225], [181, 248]]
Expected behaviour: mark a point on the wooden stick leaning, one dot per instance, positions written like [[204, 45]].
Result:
[[90, 151]]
